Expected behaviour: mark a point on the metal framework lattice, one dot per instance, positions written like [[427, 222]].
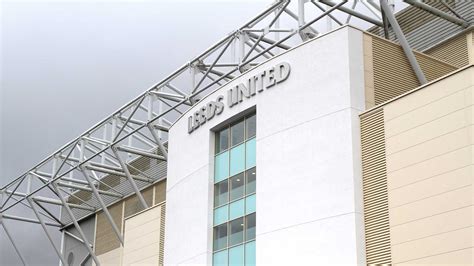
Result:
[[104, 160]]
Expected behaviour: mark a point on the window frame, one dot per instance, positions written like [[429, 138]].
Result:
[[228, 188], [245, 241], [229, 134], [244, 174]]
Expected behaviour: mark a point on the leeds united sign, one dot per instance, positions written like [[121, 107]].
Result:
[[255, 84]]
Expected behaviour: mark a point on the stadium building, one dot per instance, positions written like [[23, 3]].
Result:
[[350, 146]]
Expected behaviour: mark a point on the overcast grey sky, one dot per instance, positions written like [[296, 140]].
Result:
[[68, 64]]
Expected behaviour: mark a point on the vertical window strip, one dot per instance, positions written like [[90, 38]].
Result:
[[235, 167]]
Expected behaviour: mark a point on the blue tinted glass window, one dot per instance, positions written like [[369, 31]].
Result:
[[234, 214], [250, 223], [237, 134], [221, 214], [220, 236], [250, 126], [250, 250], [222, 140], [237, 159], [237, 187], [220, 258], [236, 256], [250, 204], [221, 167], [250, 158], [236, 209], [221, 193], [236, 235], [250, 180]]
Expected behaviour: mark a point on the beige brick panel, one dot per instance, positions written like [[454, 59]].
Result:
[[434, 245], [433, 225], [448, 201]]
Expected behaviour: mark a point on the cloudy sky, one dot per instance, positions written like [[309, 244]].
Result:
[[65, 65]]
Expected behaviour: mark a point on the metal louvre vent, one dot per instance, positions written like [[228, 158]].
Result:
[[433, 68], [388, 83], [453, 51], [374, 174], [162, 235], [393, 74], [160, 192]]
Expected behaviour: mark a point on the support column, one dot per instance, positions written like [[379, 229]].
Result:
[[2, 223], [404, 43], [130, 179], [43, 225], [76, 224], [102, 204]]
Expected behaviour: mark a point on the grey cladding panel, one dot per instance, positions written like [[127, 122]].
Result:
[[74, 251]]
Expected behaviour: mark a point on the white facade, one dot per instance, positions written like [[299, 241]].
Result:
[[309, 202]]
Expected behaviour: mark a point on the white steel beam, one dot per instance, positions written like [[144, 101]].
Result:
[[104, 206], [161, 146], [76, 225], [90, 189], [5, 229], [141, 152], [58, 202], [74, 236], [130, 179], [403, 42], [43, 225], [27, 220], [353, 13], [122, 174]]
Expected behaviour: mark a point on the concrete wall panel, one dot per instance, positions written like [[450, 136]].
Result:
[[142, 238]]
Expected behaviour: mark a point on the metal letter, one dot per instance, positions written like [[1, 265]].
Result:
[[269, 78], [202, 115], [259, 81], [190, 124], [282, 71], [243, 91], [210, 110], [219, 105]]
